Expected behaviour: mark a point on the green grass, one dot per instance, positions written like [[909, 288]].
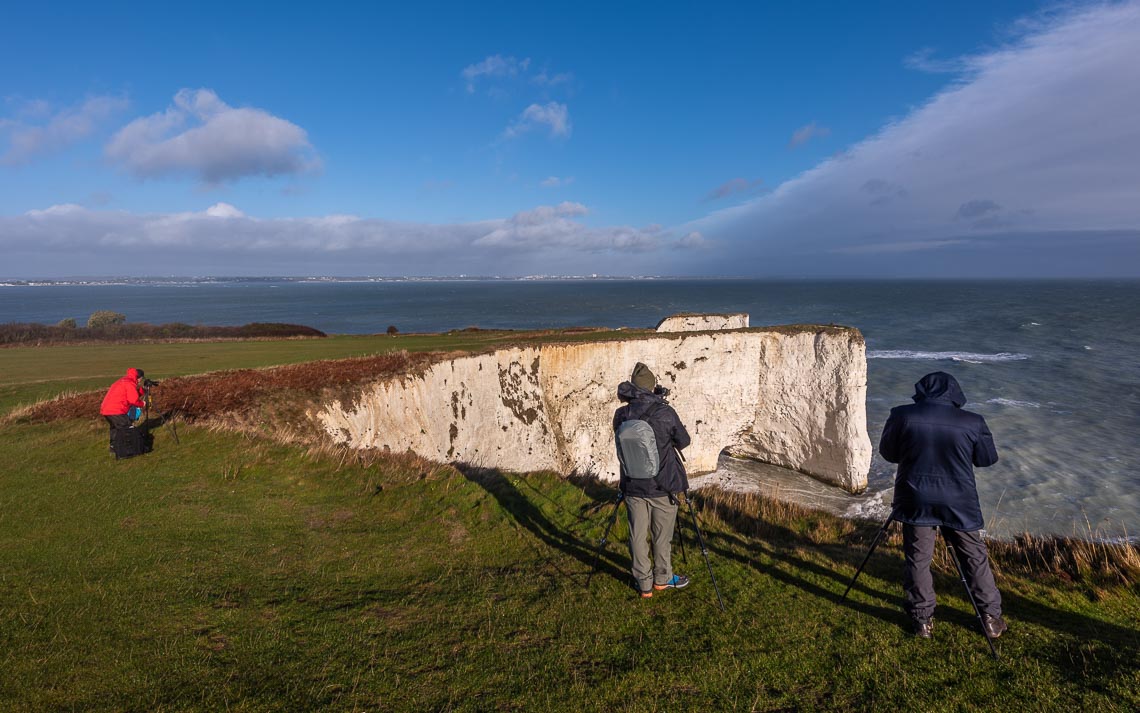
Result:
[[228, 573], [31, 374]]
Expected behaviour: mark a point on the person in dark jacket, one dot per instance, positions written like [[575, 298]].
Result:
[[123, 402], [651, 503], [937, 444]]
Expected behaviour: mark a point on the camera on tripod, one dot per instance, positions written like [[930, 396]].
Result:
[[148, 383]]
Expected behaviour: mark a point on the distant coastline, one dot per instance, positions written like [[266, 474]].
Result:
[[120, 281]]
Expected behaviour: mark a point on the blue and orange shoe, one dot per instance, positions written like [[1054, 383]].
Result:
[[679, 581]]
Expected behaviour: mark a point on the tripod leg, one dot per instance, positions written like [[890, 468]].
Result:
[[969, 592], [174, 430], [681, 539], [605, 538], [874, 543], [168, 419], [704, 550]]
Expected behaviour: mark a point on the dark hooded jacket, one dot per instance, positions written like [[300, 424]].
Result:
[[670, 435], [936, 445]]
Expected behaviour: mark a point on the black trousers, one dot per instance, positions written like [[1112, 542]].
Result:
[[117, 422], [918, 584]]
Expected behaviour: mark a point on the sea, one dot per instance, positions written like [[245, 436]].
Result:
[[1053, 365]]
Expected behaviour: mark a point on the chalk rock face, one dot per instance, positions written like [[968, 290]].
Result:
[[703, 322], [790, 396]]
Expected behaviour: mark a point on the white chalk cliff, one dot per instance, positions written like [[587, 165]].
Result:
[[789, 396], [703, 322]]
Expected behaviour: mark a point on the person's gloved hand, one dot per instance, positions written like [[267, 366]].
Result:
[[134, 412]]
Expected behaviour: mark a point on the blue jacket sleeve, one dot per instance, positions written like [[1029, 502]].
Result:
[[680, 436], [889, 443], [985, 452]]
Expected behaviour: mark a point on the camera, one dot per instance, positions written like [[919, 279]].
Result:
[[147, 383], [661, 391]]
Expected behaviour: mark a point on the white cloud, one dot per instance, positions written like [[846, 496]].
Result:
[[732, 187], [224, 210], [37, 130], [556, 182], [806, 133], [552, 114], [202, 136], [494, 66], [924, 61], [1036, 144], [72, 239], [546, 79], [692, 240], [556, 227]]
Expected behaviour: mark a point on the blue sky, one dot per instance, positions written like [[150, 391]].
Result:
[[791, 139]]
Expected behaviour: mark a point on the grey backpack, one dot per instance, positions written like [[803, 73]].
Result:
[[637, 449]]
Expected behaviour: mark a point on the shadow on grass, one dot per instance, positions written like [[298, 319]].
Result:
[[731, 547], [531, 518], [793, 570], [1107, 651]]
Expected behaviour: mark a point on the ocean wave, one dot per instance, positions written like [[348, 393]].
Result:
[[875, 507], [1013, 402], [969, 357]]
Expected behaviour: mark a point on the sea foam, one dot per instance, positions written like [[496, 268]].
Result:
[[1013, 403], [970, 357]]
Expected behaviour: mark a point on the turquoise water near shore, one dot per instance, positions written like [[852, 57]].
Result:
[[1051, 364]]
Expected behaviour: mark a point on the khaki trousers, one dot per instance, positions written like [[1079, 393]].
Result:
[[656, 517]]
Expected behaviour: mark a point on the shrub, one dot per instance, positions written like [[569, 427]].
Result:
[[105, 318], [68, 323], [392, 331], [25, 333]]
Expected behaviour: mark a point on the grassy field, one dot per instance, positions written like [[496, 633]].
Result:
[[31, 374], [228, 573]]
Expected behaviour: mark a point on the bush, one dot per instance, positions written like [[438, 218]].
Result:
[[392, 331], [105, 318], [25, 333], [68, 323]]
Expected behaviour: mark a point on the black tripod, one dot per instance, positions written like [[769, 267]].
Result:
[[696, 528], [605, 536], [163, 418], [704, 549], [957, 565]]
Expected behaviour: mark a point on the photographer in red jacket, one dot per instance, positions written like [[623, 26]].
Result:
[[123, 403]]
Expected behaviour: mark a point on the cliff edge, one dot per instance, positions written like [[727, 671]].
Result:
[[790, 396]]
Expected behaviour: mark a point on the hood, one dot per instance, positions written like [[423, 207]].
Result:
[[133, 374], [939, 386], [628, 392]]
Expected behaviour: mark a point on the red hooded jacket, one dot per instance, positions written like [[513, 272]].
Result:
[[123, 394]]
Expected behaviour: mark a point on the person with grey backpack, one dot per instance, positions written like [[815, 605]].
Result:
[[649, 437]]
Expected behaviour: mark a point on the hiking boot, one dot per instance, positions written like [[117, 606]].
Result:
[[994, 625], [924, 628], [679, 581]]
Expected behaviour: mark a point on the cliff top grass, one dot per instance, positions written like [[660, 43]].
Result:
[[33, 375], [231, 572]]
